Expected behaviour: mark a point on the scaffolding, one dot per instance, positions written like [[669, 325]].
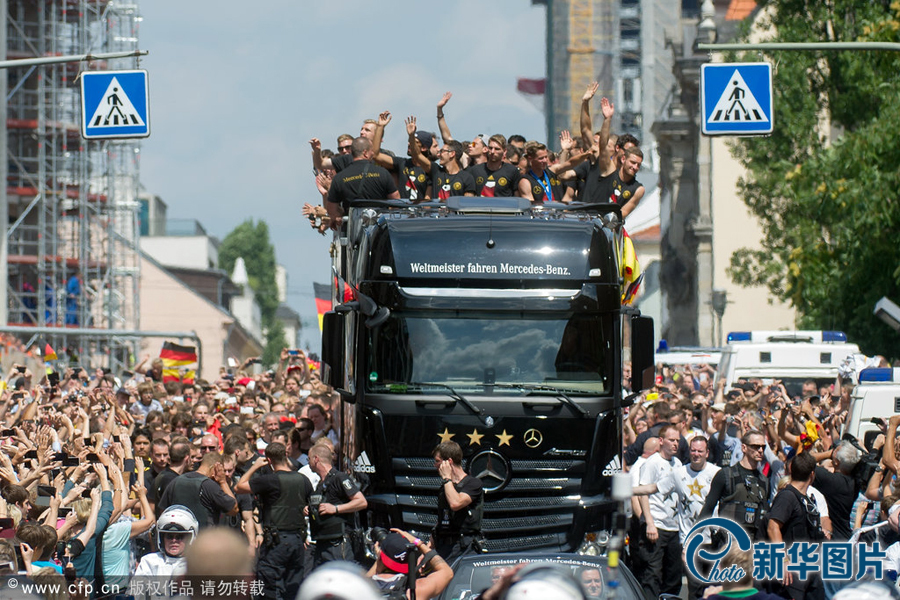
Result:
[[73, 257], [582, 46]]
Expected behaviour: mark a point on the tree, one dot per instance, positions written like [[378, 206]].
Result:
[[250, 241], [829, 200]]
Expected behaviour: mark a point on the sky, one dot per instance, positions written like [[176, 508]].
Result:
[[237, 89]]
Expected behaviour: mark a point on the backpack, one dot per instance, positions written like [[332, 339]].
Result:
[[393, 588]]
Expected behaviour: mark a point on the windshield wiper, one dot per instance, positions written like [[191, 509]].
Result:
[[478, 412], [558, 394]]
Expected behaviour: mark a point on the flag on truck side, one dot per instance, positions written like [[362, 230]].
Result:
[[174, 356], [323, 300], [630, 270]]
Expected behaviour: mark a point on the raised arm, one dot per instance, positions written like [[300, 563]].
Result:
[[562, 167], [608, 110], [888, 456], [417, 156], [442, 123], [319, 163], [383, 120], [587, 129]]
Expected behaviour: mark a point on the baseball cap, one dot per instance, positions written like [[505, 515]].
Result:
[[243, 381], [425, 139], [123, 391], [719, 406], [393, 553]]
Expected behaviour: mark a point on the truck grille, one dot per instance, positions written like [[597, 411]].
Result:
[[534, 510]]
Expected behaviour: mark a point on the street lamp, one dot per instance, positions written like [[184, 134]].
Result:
[[888, 312], [719, 300]]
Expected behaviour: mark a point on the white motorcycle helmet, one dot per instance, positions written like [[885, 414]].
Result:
[[176, 519], [546, 581], [338, 581]]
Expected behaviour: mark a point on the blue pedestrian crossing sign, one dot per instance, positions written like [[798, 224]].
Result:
[[736, 98], [114, 104]]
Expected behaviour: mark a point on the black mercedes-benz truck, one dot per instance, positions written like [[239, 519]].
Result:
[[499, 326]]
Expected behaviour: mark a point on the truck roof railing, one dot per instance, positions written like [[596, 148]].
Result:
[[480, 205]]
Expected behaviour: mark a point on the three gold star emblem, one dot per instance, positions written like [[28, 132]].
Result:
[[475, 437], [504, 438], [446, 436]]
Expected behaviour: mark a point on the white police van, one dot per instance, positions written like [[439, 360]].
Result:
[[687, 355], [876, 396], [789, 356]]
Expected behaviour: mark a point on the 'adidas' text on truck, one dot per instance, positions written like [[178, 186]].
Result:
[[498, 326]]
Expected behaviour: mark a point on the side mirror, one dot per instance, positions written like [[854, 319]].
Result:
[[642, 354], [333, 349]]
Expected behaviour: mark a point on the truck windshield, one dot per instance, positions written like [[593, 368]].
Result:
[[476, 354]]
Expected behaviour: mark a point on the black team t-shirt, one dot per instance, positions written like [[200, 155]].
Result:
[[502, 183], [412, 180], [545, 186], [446, 185], [361, 180]]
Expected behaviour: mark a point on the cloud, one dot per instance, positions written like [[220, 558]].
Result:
[[237, 89]]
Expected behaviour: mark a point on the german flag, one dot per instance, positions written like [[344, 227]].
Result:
[[174, 356], [49, 354], [323, 300], [630, 270]]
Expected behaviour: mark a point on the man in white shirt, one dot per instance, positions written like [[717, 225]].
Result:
[[635, 556], [660, 544], [691, 484]]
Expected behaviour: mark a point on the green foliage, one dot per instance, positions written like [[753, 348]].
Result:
[[830, 213], [275, 342], [250, 241]]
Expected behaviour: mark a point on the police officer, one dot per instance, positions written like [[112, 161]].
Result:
[[331, 507], [460, 505], [740, 491], [283, 494]]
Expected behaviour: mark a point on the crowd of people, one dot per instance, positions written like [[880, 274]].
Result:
[[595, 167], [771, 461], [110, 482]]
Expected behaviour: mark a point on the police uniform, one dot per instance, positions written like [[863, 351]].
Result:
[[741, 495], [331, 532], [282, 496]]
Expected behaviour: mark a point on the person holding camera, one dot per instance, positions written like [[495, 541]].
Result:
[[396, 552], [331, 507], [282, 494]]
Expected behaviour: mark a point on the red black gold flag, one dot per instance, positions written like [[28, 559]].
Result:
[[174, 356], [323, 300]]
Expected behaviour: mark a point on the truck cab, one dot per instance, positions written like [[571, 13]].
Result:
[[496, 325]]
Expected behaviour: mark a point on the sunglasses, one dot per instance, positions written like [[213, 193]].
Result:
[[208, 447], [756, 446], [344, 148]]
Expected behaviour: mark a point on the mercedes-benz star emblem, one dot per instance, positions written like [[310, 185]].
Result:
[[533, 438], [492, 468]]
